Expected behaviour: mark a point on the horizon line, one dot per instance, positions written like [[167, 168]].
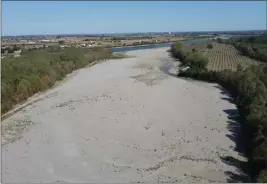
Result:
[[68, 34]]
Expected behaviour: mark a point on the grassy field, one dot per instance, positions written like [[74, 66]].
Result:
[[223, 56]]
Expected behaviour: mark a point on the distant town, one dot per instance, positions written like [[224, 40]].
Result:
[[14, 45]]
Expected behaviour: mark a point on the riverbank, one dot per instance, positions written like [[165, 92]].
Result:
[[159, 45], [167, 42], [247, 87], [39, 70], [119, 132], [137, 45]]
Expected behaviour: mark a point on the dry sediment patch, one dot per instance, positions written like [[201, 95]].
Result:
[[150, 74], [13, 130], [150, 78], [105, 126]]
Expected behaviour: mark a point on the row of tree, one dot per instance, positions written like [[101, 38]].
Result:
[[10, 49], [38, 70], [131, 38], [249, 90]]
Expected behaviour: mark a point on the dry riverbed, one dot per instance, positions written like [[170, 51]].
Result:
[[127, 120]]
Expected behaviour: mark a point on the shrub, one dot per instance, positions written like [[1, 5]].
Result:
[[24, 89], [262, 177], [210, 46]]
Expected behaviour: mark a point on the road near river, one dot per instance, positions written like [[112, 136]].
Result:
[[121, 121]]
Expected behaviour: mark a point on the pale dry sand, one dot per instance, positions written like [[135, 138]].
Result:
[[128, 120]]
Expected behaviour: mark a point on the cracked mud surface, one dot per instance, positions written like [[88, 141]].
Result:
[[121, 121]]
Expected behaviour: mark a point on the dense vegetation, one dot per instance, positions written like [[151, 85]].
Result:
[[38, 70], [252, 46], [209, 46], [10, 49], [249, 90], [189, 57]]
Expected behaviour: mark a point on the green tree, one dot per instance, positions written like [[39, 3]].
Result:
[[262, 177], [210, 46], [61, 42], [24, 89]]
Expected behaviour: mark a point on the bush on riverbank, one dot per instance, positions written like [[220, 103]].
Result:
[[193, 59], [249, 90], [38, 70]]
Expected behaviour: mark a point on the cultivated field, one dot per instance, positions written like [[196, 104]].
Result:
[[224, 57]]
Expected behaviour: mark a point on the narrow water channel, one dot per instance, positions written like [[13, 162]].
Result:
[[159, 45]]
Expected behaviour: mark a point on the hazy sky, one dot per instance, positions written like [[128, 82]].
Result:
[[70, 17]]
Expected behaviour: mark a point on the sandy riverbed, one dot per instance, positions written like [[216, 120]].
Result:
[[128, 120]]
